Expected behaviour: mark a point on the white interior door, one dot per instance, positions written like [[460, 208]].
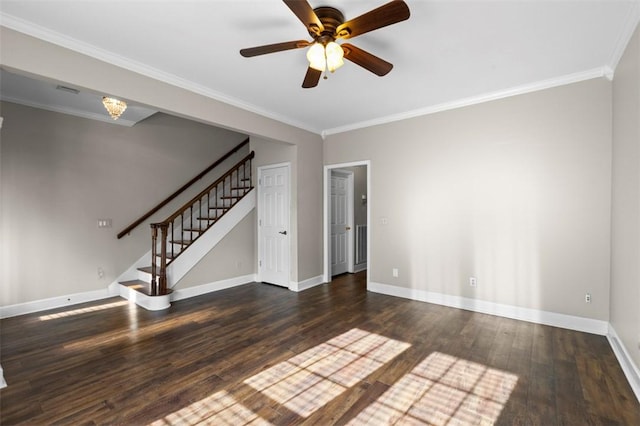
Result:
[[273, 225], [340, 223]]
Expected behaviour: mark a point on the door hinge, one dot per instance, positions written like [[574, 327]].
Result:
[[259, 222], [259, 262]]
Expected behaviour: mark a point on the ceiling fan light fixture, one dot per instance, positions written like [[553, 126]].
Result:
[[334, 54], [115, 107], [325, 25], [316, 57], [327, 56]]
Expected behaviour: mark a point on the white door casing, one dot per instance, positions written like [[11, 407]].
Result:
[[341, 222], [273, 224]]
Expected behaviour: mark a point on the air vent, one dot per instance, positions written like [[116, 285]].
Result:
[[68, 89]]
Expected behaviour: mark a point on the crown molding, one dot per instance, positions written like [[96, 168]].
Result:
[[71, 111], [491, 96], [56, 38], [53, 37], [626, 32]]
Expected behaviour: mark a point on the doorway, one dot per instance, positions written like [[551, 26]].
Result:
[[346, 218]]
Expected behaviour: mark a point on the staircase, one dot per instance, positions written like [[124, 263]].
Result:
[[151, 288]]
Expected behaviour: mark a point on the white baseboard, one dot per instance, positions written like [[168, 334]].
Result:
[[53, 303], [185, 293], [624, 359], [570, 322], [360, 267], [150, 303], [306, 284], [3, 384], [90, 296]]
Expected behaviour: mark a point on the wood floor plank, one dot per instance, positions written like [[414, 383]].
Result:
[[259, 353]]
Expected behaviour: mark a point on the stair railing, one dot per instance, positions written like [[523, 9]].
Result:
[[180, 190], [194, 218]]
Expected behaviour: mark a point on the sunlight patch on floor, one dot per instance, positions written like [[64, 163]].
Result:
[[133, 333], [308, 381], [218, 409], [442, 390], [302, 384], [82, 310]]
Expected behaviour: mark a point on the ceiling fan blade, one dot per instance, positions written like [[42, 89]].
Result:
[[390, 13], [303, 10], [312, 78], [272, 48], [366, 60]]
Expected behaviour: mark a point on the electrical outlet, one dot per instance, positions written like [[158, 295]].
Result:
[[100, 273], [394, 271], [104, 223], [473, 282], [587, 298]]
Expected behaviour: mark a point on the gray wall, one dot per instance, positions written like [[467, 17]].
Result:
[[515, 192], [234, 256], [625, 239], [27, 55], [60, 174]]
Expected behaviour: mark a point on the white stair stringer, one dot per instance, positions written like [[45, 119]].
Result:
[[187, 260]]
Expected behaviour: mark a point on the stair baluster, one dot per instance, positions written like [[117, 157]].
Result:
[[232, 186]]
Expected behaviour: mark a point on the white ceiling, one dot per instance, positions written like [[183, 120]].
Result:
[[449, 53], [61, 98]]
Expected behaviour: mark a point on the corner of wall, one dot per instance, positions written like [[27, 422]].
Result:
[[631, 372]]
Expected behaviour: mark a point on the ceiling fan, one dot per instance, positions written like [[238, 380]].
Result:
[[326, 25]]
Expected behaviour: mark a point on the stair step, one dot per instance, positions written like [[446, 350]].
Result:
[[219, 208], [210, 219], [182, 242], [231, 197], [198, 230], [244, 188], [146, 269], [135, 283], [141, 286], [169, 255]]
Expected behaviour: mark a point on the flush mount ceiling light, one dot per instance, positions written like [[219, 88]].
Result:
[[326, 25], [115, 106]]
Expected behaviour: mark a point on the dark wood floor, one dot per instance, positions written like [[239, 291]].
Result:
[[333, 354]]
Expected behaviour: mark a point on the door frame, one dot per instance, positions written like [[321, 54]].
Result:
[[326, 275], [350, 235], [260, 170]]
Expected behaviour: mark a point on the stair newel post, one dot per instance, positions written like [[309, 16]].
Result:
[[154, 255], [162, 276]]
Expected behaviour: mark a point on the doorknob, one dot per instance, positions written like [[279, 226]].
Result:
[[283, 232], [348, 228]]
